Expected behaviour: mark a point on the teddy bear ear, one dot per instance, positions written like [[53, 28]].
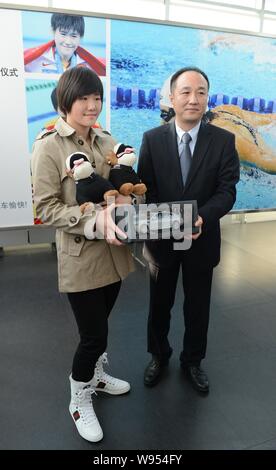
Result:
[[78, 162], [70, 160], [68, 163], [119, 148]]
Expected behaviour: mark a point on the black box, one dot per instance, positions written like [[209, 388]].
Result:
[[162, 221]]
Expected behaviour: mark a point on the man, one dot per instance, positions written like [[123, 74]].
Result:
[[211, 180], [64, 51]]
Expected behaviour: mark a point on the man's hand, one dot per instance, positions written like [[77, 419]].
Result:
[[199, 224]]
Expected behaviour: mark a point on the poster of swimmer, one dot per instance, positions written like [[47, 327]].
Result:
[[242, 73], [53, 42]]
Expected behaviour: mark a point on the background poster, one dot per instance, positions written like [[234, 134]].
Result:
[[41, 80], [242, 73], [138, 58], [15, 188]]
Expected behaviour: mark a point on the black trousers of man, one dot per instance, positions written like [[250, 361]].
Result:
[[197, 292]]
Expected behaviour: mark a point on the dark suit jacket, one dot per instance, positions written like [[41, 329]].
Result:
[[212, 181]]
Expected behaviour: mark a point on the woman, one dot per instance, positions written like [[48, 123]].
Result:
[[64, 51], [90, 271]]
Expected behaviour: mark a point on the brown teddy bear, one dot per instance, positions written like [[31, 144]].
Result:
[[122, 176]]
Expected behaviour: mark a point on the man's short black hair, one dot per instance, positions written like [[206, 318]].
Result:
[[68, 22], [75, 83], [187, 69]]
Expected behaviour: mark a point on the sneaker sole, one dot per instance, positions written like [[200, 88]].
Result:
[[115, 392]]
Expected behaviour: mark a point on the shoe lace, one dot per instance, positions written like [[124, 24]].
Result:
[[101, 374], [85, 405], [104, 359], [99, 365]]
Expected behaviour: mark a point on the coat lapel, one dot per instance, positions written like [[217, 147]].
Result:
[[202, 144]]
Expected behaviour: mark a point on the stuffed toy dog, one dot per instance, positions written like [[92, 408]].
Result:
[[90, 186], [122, 176]]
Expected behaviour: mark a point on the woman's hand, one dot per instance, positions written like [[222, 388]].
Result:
[[85, 207], [69, 173], [106, 226], [120, 199]]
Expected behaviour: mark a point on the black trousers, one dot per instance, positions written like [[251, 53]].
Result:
[[91, 309], [197, 292]]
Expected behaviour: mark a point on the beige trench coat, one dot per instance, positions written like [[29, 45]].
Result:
[[82, 264]]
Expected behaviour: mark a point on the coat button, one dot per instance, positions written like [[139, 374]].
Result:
[[77, 239], [93, 164], [73, 220], [80, 142]]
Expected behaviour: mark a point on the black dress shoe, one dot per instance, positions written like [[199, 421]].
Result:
[[154, 370], [198, 378]]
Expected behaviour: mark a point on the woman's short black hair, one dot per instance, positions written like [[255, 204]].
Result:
[[187, 69], [75, 83], [68, 22]]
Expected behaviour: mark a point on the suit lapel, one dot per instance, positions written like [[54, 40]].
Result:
[[202, 144], [171, 165]]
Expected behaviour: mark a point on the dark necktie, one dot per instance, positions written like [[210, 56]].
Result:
[[185, 156]]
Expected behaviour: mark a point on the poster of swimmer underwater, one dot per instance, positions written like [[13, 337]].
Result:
[[134, 61], [242, 98]]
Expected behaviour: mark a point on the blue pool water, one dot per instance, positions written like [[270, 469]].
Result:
[[39, 106], [144, 55]]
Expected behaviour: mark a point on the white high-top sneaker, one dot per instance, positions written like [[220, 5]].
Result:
[[103, 382], [82, 411]]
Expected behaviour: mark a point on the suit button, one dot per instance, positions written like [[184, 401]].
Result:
[[73, 220], [77, 239], [80, 142]]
